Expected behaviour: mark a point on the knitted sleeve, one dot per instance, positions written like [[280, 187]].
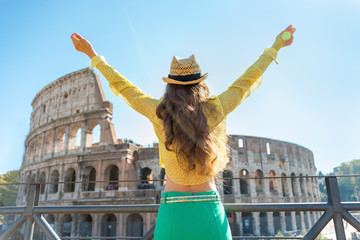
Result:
[[247, 82], [120, 86]]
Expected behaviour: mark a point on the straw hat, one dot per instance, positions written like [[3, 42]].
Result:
[[185, 71]]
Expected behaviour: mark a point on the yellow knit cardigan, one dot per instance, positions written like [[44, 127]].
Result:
[[222, 105]]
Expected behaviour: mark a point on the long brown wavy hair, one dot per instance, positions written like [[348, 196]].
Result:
[[185, 125]]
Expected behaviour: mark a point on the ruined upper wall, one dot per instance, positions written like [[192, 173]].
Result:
[[77, 92]]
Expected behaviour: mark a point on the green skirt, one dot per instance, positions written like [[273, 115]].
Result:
[[191, 219]]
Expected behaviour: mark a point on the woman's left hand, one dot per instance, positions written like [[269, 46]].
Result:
[[83, 45]]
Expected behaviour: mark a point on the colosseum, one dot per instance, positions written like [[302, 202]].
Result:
[[72, 151]]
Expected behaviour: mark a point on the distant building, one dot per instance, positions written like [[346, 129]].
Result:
[[72, 140]]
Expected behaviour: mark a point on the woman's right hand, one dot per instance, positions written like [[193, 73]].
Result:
[[83, 45], [280, 42]]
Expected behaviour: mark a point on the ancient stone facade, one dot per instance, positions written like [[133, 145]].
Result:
[[255, 164], [72, 151]]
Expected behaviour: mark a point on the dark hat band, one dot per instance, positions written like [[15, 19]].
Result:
[[185, 78]]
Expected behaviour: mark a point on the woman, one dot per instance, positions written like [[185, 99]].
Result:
[[190, 127]]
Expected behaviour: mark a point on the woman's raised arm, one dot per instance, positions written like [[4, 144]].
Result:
[[119, 85], [252, 77]]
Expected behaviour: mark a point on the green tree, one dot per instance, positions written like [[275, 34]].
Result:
[[8, 191], [349, 187]]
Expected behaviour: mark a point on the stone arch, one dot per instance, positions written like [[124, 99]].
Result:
[[85, 225], [75, 137], [263, 224], [38, 147], [277, 222], [109, 223], [42, 180], [89, 179], [93, 136], [134, 225], [288, 221], [60, 141], [48, 143], [69, 180], [272, 181], [54, 180], [112, 176], [284, 188], [146, 175], [247, 222], [259, 175], [293, 185], [146, 179], [66, 225], [244, 184], [228, 182]]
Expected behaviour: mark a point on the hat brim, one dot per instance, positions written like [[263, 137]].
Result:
[[172, 81]]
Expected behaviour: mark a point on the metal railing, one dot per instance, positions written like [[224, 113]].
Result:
[[334, 210]]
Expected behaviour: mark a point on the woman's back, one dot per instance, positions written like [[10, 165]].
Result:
[[192, 139]]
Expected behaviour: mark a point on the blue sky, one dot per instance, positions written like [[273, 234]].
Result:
[[310, 98]]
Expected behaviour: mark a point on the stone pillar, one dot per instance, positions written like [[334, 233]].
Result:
[[42, 150], [289, 187], [266, 187], [270, 222], [310, 221], [252, 185], [79, 184], [297, 186], [84, 135], [99, 176], [123, 163], [57, 224], [61, 179], [53, 143], [73, 225], [147, 223], [35, 149], [66, 143], [103, 126], [302, 221], [305, 188], [95, 225], [256, 217], [236, 184], [120, 231], [279, 187], [47, 185], [310, 189], [293, 221], [239, 222], [283, 221], [313, 188]]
